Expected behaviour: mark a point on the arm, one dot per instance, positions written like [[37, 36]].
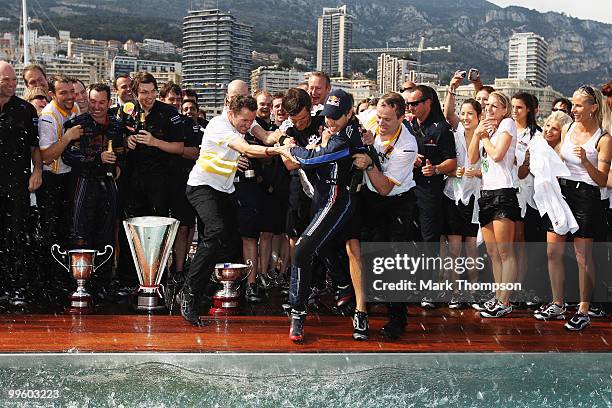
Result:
[[267, 137], [191, 153], [36, 177], [337, 148], [148, 139], [48, 131], [255, 151], [449, 101], [523, 169], [610, 178], [497, 152]]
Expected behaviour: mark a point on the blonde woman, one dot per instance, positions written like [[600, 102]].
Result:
[[494, 144], [586, 149]]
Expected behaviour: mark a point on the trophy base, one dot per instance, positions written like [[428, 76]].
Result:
[[150, 303], [80, 305], [225, 306]]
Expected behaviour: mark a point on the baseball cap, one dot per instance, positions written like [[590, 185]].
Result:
[[338, 103]]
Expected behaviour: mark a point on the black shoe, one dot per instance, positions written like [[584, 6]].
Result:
[[252, 293], [189, 308], [596, 311], [361, 329], [296, 331], [578, 322], [394, 328], [344, 295]]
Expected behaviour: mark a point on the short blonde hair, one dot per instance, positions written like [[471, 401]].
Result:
[[32, 93]]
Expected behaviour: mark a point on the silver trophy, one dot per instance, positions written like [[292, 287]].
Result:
[[80, 263], [150, 240], [226, 300]]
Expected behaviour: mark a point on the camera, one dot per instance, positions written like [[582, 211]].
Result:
[[473, 74]]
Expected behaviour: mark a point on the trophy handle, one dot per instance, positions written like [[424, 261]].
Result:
[[56, 248], [250, 265], [108, 249]]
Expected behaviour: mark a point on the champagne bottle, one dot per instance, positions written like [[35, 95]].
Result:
[[110, 168]]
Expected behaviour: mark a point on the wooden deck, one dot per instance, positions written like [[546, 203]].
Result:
[[439, 330]]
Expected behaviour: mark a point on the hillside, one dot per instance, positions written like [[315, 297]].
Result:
[[477, 30]]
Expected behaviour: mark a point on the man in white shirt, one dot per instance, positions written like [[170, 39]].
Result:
[[209, 189]]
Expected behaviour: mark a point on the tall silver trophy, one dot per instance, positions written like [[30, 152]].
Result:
[[151, 240]]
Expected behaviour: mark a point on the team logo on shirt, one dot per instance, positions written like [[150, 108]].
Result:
[[314, 139], [128, 108]]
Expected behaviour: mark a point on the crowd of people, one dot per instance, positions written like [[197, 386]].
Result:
[[294, 182]]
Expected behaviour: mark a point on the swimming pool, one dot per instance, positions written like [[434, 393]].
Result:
[[302, 380]]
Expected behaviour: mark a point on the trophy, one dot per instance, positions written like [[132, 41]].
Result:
[[81, 266], [150, 240], [226, 301]]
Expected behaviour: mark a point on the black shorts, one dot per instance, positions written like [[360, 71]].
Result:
[[498, 204], [584, 200], [299, 209], [250, 199], [458, 218]]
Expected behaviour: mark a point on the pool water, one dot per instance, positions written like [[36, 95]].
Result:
[[303, 380]]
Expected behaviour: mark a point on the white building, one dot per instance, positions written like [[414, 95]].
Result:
[[334, 39], [274, 80], [158, 46], [391, 72], [528, 58]]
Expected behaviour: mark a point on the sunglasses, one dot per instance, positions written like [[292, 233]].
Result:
[[39, 98], [415, 103], [405, 89], [588, 90], [559, 110]]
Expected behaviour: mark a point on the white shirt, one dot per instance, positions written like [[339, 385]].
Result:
[[577, 170], [51, 130], [497, 175], [525, 185], [217, 164], [459, 188], [398, 165]]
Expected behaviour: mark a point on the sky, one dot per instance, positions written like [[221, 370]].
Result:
[[598, 10]]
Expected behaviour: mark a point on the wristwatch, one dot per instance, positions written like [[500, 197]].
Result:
[[436, 171]]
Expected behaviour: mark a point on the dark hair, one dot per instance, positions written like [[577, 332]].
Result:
[[61, 78], [606, 90], [278, 95], [119, 77], [474, 103], [564, 101], [487, 88], [190, 101], [74, 80], [527, 99], [373, 101], [99, 87], [32, 67], [430, 93], [190, 95], [170, 87], [142, 77], [395, 101], [237, 103], [323, 75], [296, 100]]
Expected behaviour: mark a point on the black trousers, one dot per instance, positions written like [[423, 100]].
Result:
[[54, 201], [220, 241], [319, 239]]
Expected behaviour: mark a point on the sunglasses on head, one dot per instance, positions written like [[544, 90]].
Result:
[[39, 97], [415, 103], [589, 90]]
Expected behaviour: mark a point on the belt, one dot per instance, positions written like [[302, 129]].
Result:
[[577, 184]]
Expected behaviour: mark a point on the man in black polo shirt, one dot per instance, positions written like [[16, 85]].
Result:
[[436, 157], [158, 135], [18, 149]]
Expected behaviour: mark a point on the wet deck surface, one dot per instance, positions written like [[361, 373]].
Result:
[[440, 330]]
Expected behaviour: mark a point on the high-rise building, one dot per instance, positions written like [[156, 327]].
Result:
[[334, 39], [216, 50], [528, 58], [391, 72]]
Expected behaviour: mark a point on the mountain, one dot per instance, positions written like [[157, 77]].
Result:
[[478, 31]]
